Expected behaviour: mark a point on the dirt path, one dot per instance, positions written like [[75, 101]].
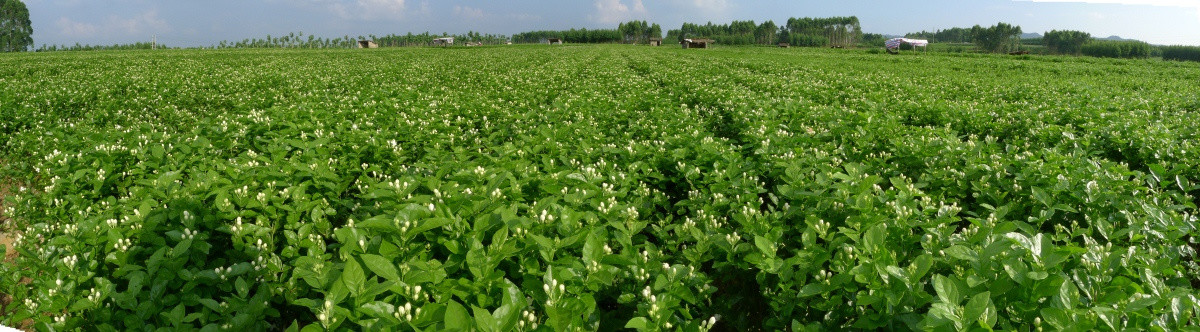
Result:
[[7, 237], [7, 188]]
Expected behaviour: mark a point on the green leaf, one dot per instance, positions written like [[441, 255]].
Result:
[[811, 289], [431, 223], [947, 289], [638, 323], [921, 266], [874, 238], [353, 277], [1041, 196], [961, 252], [243, 289], [899, 273], [1108, 316], [1139, 301], [764, 245], [1057, 318], [382, 267], [484, 320], [946, 311], [456, 317], [977, 307], [378, 309], [509, 313], [593, 246], [314, 327], [477, 261]]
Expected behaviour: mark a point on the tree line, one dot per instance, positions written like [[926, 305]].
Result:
[[583, 36], [81, 47], [1004, 37], [807, 31]]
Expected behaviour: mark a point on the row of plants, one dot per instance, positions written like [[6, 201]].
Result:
[[598, 188]]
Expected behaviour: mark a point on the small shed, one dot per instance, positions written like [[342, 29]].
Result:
[[696, 43], [444, 41], [367, 44], [785, 45], [554, 41], [655, 41], [893, 45]]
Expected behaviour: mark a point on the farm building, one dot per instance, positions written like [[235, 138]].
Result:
[[785, 45], [893, 45], [367, 44], [444, 41], [696, 43], [554, 41], [655, 41]]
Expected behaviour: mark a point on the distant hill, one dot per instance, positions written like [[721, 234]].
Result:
[[1117, 38], [1031, 35]]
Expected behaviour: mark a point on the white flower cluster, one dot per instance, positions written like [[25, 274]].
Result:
[[407, 313], [223, 273], [554, 292], [326, 315], [528, 321], [70, 261], [123, 244], [188, 234]]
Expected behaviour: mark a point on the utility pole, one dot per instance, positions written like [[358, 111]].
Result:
[[154, 43]]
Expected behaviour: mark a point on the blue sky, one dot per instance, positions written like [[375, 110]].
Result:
[[204, 23]]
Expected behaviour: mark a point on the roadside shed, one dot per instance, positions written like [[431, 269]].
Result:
[[696, 43], [785, 45], [554, 41], [367, 44], [444, 41], [655, 41], [893, 45]]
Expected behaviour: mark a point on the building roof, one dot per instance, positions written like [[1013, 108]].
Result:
[[895, 42]]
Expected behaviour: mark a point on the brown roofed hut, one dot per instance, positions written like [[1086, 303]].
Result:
[[696, 43]]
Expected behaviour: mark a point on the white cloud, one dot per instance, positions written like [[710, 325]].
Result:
[[468, 12], [1189, 4], [712, 5], [68, 27], [363, 9], [114, 26], [613, 11]]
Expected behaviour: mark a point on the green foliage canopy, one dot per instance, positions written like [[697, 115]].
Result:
[[1185, 53], [16, 31], [1066, 41], [1001, 37]]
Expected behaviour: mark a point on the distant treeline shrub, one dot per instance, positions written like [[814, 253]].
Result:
[[820, 32], [1066, 41], [78, 47], [1182, 53], [570, 36], [808, 40], [872, 40], [1116, 49]]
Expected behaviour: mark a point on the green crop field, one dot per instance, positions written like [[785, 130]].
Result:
[[597, 188]]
